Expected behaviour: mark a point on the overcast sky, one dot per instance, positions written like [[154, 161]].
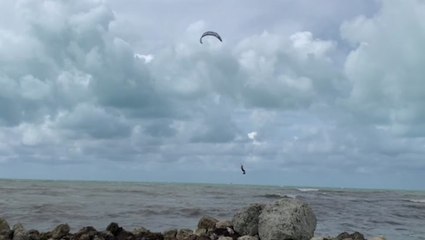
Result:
[[299, 92]]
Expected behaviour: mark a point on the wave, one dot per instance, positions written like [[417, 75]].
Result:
[[277, 196], [307, 189], [416, 200]]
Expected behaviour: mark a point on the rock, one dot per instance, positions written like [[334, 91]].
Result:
[[60, 231], [124, 235], [247, 237], [192, 237], [45, 235], [343, 236], [354, 236], [201, 231], [224, 224], [357, 236], [207, 222], [152, 236], [4, 227], [378, 238], [245, 222], [86, 233], [19, 232], [286, 218], [34, 234], [182, 234], [225, 238], [114, 228], [139, 231], [170, 234]]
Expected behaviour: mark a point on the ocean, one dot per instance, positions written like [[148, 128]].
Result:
[[42, 205]]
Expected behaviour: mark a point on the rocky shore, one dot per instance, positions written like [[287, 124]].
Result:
[[285, 219]]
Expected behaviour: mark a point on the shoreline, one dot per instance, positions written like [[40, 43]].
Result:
[[207, 229]]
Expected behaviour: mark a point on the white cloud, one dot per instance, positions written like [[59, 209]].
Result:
[[385, 68]]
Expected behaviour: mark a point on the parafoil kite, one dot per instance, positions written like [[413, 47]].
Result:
[[210, 33]]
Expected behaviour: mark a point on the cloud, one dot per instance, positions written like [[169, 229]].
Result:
[[385, 67], [96, 82]]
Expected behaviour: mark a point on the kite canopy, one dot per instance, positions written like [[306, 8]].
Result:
[[210, 33]]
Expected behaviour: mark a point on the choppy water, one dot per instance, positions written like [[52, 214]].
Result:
[[41, 205]]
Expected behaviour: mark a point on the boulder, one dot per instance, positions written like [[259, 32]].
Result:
[[34, 234], [200, 231], [183, 234], [170, 234], [378, 238], [139, 231], [225, 238], [207, 222], [19, 232], [60, 231], [114, 228], [286, 219], [353, 236], [4, 227], [245, 222], [224, 224], [86, 233], [247, 237], [357, 236]]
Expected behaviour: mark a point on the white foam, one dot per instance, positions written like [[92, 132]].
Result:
[[417, 200], [307, 189]]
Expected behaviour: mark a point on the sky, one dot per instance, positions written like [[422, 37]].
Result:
[[300, 93]]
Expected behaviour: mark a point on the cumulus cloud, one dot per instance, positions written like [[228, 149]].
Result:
[[385, 67]]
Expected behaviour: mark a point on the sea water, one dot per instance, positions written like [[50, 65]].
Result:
[[41, 205]]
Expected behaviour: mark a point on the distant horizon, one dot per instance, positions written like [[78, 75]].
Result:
[[300, 187]]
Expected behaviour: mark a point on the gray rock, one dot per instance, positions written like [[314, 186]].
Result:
[[247, 237], [378, 238], [60, 231], [4, 227], [114, 228], [353, 236], [224, 238], [19, 232], [224, 224], [245, 222], [207, 222], [287, 219], [139, 231], [170, 234], [34, 234], [183, 234], [201, 231]]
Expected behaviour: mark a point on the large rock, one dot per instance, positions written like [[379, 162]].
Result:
[[286, 219], [245, 222], [353, 236], [5, 232], [86, 233], [19, 232], [183, 234], [4, 227], [207, 222], [60, 231], [170, 234], [247, 237]]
